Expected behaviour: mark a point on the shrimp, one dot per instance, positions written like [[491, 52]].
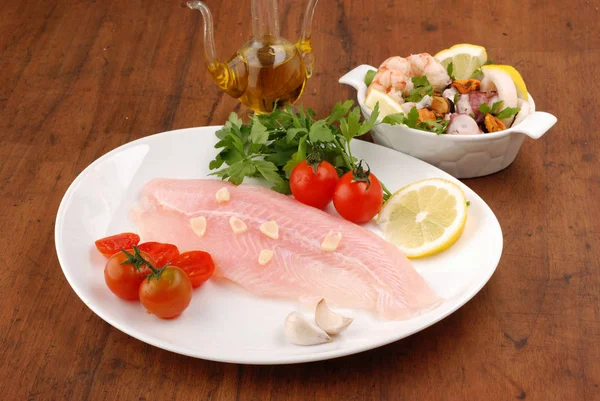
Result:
[[397, 64], [426, 64], [393, 78], [394, 75]]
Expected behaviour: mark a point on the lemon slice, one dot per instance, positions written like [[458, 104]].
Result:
[[513, 74], [425, 217], [387, 105], [465, 59]]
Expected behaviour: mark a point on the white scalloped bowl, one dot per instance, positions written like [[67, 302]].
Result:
[[463, 156]]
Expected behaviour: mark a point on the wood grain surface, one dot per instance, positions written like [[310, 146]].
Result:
[[79, 78]]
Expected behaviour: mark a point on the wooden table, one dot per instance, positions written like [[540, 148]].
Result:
[[79, 78]]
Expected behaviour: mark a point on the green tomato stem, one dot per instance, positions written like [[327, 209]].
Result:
[[386, 192], [156, 272]]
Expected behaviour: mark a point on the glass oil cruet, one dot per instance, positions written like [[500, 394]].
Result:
[[268, 69]]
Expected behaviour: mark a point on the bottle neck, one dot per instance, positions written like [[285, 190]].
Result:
[[265, 19]]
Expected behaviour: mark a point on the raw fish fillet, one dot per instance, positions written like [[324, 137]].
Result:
[[364, 272]]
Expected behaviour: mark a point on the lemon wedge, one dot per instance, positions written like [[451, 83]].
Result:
[[465, 59], [387, 105], [425, 217], [513, 74]]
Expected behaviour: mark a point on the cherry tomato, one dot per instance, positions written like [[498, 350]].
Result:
[[198, 265], [161, 253], [354, 201], [108, 246], [168, 295], [313, 189], [124, 279]]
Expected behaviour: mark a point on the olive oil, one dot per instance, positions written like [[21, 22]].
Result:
[[264, 72], [268, 70]]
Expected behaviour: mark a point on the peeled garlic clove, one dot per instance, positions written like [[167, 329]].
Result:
[[265, 256], [237, 225], [270, 229], [331, 241], [198, 225], [300, 331], [332, 323], [222, 195]]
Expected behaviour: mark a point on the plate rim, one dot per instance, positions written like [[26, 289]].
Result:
[[291, 359]]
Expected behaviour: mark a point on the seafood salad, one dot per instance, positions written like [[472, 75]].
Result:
[[456, 92]]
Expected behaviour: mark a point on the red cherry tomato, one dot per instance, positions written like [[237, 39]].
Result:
[[168, 295], [123, 279], [161, 253], [108, 246], [354, 201], [198, 265], [313, 189]]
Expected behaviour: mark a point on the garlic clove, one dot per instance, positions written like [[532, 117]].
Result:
[[198, 225], [265, 256], [270, 229], [222, 195], [332, 323], [298, 330], [331, 241], [237, 225]]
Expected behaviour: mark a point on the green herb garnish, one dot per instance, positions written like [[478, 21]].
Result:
[[422, 88], [450, 70], [477, 74], [271, 145], [369, 77], [412, 121], [508, 112], [437, 127], [485, 109], [495, 110]]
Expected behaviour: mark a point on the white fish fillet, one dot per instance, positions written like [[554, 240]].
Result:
[[364, 272]]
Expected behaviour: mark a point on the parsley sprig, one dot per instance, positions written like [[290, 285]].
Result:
[[271, 145], [369, 77], [411, 120], [450, 70], [421, 88], [478, 73], [496, 112]]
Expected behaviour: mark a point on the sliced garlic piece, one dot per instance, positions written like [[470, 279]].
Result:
[[198, 225], [332, 323], [237, 225], [265, 256], [331, 241], [223, 195], [298, 330], [270, 229]]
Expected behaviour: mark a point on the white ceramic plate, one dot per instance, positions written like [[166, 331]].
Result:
[[224, 322]]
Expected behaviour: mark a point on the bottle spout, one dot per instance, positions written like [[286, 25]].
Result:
[[265, 19], [304, 44], [209, 38]]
